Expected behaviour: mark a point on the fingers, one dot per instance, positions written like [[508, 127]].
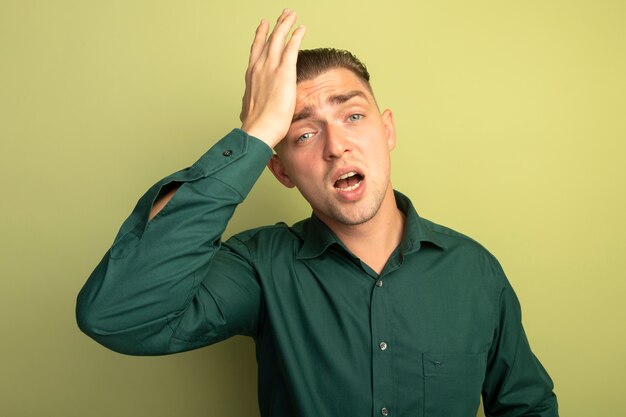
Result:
[[278, 37], [290, 56], [260, 38], [269, 98], [273, 47]]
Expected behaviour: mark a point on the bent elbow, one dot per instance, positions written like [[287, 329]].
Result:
[[87, 320], [93, 323]]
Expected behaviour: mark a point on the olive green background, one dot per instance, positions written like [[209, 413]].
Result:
[[511, 128]]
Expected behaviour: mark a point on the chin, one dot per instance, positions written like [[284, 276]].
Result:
[[355, 215]]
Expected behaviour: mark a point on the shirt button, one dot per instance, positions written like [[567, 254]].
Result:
[[384, 411], [383, 345], [227, 152], [379, 283]]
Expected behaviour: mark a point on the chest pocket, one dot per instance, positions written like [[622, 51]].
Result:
[[452, 383]]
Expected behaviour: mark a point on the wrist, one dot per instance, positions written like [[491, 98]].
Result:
[[270, 138]]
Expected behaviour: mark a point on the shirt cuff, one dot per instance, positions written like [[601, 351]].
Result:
[[237, 159]]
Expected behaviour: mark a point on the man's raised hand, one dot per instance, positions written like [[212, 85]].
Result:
[[270, 98]]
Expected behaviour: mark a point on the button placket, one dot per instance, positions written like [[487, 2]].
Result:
[[382, 367]]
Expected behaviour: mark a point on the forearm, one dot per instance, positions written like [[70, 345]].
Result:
[[163, 200], [153, 271]]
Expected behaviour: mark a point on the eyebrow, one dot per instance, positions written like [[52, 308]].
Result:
[[342, 98], [306, 112]]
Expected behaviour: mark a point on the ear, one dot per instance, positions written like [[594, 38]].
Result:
[[390, 129], [278, 169]]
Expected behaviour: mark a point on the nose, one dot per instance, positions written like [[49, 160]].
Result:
[[336, 142]]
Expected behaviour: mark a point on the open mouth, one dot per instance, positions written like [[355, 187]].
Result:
[[349, 181]]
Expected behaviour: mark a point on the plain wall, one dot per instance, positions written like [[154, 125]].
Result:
[[511, 128]]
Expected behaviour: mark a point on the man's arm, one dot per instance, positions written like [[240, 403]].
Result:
[[168, 283], [269, 100], [516, 384]]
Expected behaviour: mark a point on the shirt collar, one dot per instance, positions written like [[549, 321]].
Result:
[[416, 229], [317, 237]]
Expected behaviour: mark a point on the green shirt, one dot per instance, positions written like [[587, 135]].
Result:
[[439, 326]]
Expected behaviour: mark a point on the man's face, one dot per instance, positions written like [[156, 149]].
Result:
[[337, 149]]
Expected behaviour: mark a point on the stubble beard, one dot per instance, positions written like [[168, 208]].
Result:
[[353, 214]]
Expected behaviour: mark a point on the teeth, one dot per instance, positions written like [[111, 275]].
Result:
[[348, 175], [352, 187]]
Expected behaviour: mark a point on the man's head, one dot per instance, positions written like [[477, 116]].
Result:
[[313, 62], [336, 151]]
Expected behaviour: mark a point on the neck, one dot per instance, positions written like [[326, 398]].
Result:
[[374, 240]]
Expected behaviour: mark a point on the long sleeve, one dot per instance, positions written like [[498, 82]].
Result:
[[516, 384], [170, 284]]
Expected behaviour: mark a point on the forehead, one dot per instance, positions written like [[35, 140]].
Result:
[[328, 84]]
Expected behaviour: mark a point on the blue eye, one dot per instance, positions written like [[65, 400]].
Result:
[[306, 136], [355, 117]]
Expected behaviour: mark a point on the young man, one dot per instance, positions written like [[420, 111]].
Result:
[[363, 309]]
